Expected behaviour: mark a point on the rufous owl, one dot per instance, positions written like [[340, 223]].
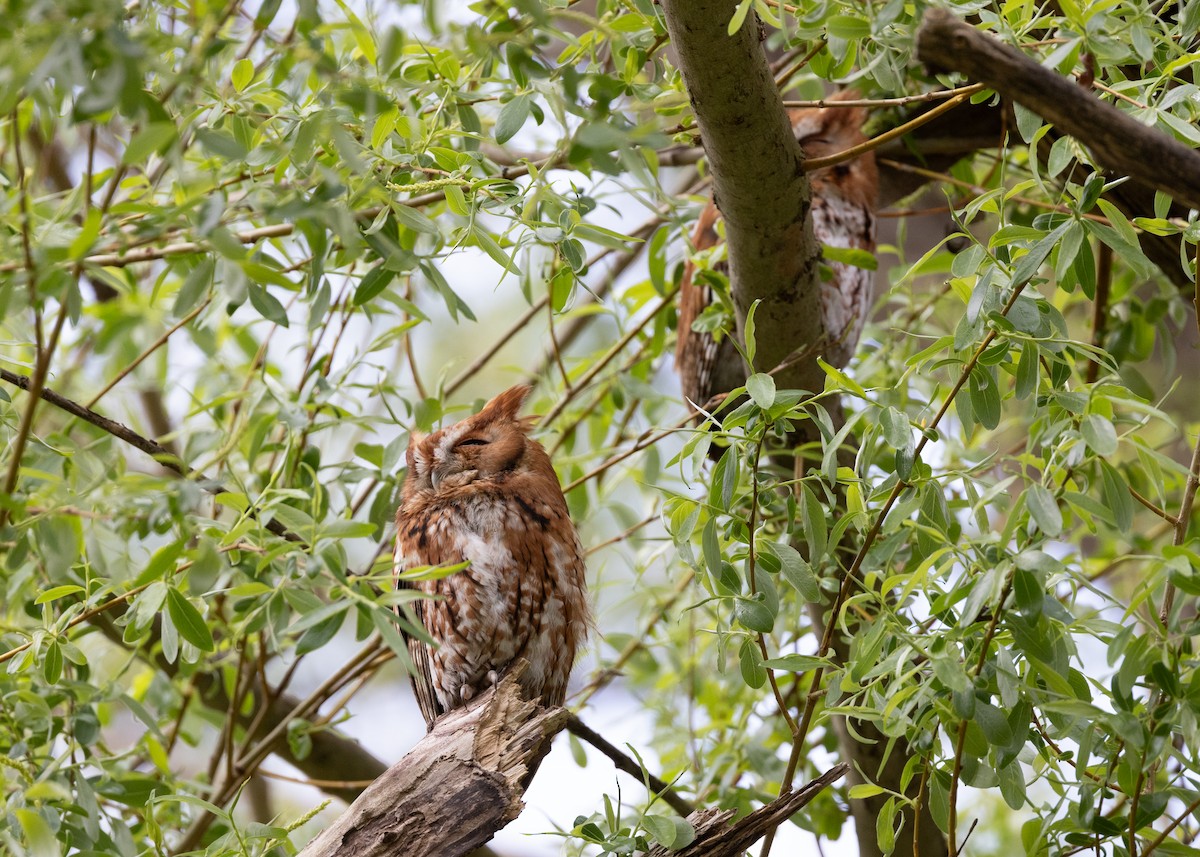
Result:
[[843, 215], [482, 491]]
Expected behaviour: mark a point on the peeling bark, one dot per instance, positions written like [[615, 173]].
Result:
[[460, 784], [716, 837]]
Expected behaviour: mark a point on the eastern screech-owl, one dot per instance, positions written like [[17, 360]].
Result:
[[843, 215], [484, 492]]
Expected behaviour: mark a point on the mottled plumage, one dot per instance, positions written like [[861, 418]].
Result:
[[483, 491], [843, 215]]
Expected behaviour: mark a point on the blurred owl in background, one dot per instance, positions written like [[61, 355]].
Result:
[[483, 492], [843, 215]]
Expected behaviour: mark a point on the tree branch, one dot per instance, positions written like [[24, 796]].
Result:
[[459, 785], [1118, 141], [336, 761], [122, 432], [758, 180], [715, 839]]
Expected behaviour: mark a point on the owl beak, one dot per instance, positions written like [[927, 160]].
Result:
[[435, 478]]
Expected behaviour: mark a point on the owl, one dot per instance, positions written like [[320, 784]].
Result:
[[483, 492], [843, 215]]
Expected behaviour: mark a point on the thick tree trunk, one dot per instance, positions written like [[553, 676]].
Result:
[[758, 183], [459, 785]]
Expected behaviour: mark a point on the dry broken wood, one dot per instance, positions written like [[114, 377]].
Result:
[[459, 785], [715, 837]]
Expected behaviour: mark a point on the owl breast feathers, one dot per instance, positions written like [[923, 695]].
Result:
[[843, 215], [483, 492]]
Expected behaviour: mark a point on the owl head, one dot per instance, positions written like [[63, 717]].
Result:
[[484, 447], [824, 131]]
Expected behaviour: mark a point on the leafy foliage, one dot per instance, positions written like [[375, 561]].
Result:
[[280, 240]]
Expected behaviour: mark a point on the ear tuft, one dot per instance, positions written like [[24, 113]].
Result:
[[506, 404]]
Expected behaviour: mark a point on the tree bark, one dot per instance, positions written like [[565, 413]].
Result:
[[758, 183], [715, 837], [459, 785], [1117, 141]]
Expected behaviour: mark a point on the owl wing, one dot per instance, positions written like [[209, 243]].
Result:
[[697, 354], [420, 651]]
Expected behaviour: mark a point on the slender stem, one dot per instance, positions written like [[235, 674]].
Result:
[[116, 429], [158, 343], [750, 572], [844, 589], [627, 764], [874, 143], [889, 102]]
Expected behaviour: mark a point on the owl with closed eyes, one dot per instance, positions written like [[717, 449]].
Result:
[[843, 215], [483, 492]]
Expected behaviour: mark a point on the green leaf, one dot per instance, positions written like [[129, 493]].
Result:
[[852, 256], [415, 219], [993, 724], [150, 140], [796, 663], [985, 397], [162, 563], [376, 280], [512, 117], [739, 16], [751, 344], [1029, 264], [1027, 371], [1116, 496], [188, 620], [52, 666], [242, 74], [37, 833], [1044, 509], [56, 592], [488, 245], [267, 304], [750, 659], [221, 144], [761, 388], [797, 571], [848, 27], [863, 791], [1099, 434], [813, 522], [661, 829], [753, 614]]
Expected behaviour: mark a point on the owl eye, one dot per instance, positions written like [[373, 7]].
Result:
[[473, 441]]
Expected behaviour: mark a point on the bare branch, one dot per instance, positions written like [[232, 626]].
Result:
[[459, 785], [122, 432], [715, 839], [1118, 141]]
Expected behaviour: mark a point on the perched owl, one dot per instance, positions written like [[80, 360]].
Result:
[[482, 491], [843, 215]]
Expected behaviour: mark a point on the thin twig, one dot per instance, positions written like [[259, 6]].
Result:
[[860, 557], [874, 143], [158, 343], [625, 763], [888, 102], [117, 430]]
